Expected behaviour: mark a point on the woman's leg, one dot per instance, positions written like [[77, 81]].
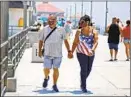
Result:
[[127, 50], [83, 60], [90, 63]]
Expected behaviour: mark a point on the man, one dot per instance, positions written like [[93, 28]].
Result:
[[53, 49], [114, 32]]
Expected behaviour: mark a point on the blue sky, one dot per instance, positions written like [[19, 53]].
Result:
[[117, 9]]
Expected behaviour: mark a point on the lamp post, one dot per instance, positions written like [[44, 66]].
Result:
[[25, 14], [66, 13], [75, 15], [70, 11], [30, 9], [106, 15], [91, 10], [82, 8]]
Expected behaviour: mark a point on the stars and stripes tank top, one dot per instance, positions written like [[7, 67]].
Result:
[[85, 44]]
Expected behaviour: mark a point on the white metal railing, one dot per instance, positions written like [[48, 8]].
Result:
[[11, 53], [14, 29], [16, 46]]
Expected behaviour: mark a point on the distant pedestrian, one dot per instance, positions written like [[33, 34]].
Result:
[[114, 32], [126, 36], [68, 29]]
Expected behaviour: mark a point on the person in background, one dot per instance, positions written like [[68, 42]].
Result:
[[114, 32], [68, 28], [86, 41], [126, 37]]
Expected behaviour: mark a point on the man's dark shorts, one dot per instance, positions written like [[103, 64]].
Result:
[[113, 46]]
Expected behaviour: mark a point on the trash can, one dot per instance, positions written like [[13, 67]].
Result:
[[35, 56]]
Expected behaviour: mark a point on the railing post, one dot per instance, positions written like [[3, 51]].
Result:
[[0, 50], [4, 20]]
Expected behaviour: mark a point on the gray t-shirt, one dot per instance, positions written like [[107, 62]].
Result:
[[53, 45]]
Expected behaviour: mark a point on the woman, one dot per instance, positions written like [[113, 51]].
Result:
[[86, 41], [126, 36]]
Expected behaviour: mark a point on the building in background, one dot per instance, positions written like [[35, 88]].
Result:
[[44, 9], [15, 13]]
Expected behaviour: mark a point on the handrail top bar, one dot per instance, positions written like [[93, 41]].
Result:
[[3, 44], [19, 33], [14, 26]]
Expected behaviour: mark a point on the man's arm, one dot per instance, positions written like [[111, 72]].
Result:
[[120, 29], [40, 47], [107, 29], [65, 38], [41, 38], [67, 45], [121, 33]]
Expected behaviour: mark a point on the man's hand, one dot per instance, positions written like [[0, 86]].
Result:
[[40, 46], [70, 55], [40, 53], [90, 53], [121, 39]]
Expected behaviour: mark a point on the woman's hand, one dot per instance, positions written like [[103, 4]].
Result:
[[70, 55], [91, 53]]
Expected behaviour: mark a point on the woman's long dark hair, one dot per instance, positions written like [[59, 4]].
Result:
[[86, 18], [128, 22]]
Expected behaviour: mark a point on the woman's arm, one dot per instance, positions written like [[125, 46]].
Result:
[[76, 41], [95, 44]]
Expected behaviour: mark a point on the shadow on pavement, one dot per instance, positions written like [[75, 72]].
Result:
[[117, 61], [75, 92], [44, 91], [80, 92]]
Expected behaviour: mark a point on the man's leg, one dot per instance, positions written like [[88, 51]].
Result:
[[111, 54], [116, 51], [55, 76], [111, 51], [56, 65], [46, 70]]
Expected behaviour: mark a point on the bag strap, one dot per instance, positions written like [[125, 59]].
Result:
[[49, 34]]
